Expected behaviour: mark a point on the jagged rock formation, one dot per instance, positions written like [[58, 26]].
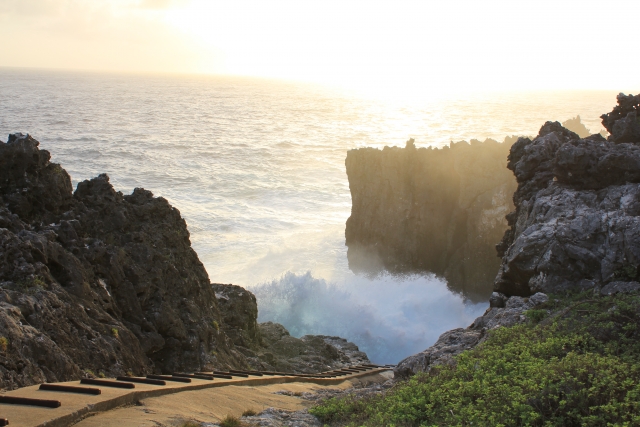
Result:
[[623, 123], [96, 281], [269, 346], [435, 210], [576, 223], [576, 226], [575, 125]]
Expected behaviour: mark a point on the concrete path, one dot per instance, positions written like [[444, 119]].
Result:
[[76, 407]]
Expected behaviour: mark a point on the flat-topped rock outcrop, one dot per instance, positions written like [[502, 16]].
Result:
[[430, 210]]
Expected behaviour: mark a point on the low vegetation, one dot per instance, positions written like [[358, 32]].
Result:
[[231, 421], [575, 362], [249, 413]]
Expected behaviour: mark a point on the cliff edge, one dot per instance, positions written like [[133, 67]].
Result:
[[435, 210], [97, 283], [576, 227]]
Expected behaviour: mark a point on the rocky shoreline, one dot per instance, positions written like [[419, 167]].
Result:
[[576, 227], [97, 283]]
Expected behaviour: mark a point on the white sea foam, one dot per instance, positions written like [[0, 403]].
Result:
[[257, 170], [389, 317]]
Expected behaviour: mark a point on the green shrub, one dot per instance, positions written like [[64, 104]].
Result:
[[231, 421], [581, 368], [4, 344], [215, 325], [32, 285], [535, 315], [115, 332]]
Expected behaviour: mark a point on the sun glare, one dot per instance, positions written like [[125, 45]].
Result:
[[402, 49]]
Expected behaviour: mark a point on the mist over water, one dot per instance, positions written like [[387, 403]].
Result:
[[257, 170], [389, 317]]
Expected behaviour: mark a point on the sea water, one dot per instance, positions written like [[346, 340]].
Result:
[[256, 167]]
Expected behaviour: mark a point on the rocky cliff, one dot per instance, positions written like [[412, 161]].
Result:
[[576, 226], [576, 223], [94, 282], [435, 210]]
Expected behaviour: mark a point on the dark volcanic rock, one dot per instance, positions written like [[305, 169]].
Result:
[[435, 210], [576, 223], [269, 346], [623, 123], [96, 281]]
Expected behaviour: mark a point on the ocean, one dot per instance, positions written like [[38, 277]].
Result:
[[256, 168]]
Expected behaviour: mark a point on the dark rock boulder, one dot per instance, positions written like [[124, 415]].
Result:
[[239, 310], [623, 123], [577, 218]]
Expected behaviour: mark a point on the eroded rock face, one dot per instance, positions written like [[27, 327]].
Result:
[[269, 346], [96, 280], [577, 218], [435, 210]]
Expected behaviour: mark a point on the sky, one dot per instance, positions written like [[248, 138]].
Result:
[[398, 46]]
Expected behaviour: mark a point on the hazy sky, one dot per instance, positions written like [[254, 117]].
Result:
[[386, 46]]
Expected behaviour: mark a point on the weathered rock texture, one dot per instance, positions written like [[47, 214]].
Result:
[[269, 346], [577, 217], [96, 281], [435, 210], [576, 226], [623, 123]]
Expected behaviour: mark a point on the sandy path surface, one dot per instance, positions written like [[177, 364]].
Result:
[[213, 404]]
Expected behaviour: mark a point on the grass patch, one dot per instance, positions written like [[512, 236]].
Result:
[[579, 367], [231, 421], [249, 413], [31, 285]]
